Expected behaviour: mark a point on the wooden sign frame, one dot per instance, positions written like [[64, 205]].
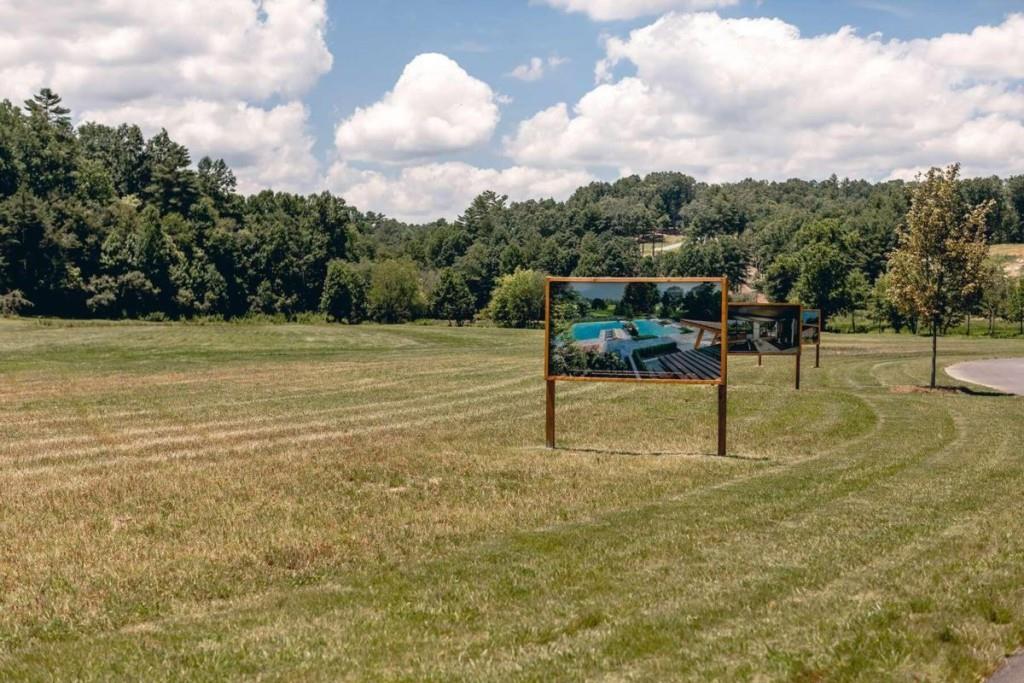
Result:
[[721, 381], [796, 352]]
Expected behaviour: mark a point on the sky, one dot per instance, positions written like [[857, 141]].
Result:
[[412, 107]]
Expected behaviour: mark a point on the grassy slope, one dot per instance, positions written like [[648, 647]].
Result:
[[315, 502]]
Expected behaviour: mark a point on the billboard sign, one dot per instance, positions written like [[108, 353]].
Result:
[[811, 326], [636, 329], [764, 329]]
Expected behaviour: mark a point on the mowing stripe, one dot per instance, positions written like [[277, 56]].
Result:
[[161, 426], [43, 465]]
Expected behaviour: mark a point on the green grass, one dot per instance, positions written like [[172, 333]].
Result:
[[320, 502]]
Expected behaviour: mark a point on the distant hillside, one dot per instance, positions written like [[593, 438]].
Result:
[[1012, 257]]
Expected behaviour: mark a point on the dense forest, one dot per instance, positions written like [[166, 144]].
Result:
[[98, 221]]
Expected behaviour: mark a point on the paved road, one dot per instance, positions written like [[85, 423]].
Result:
[[1011, 672], [1004, 374]]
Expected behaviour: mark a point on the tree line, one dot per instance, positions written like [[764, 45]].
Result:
[[99, 221]]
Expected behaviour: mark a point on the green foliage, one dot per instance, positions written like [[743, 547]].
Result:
[[14, 303], [572, 360], [716, 212], [1015, 197], [672, 302], [724, 256], [994, 293], [822, 280], [479, 268], [451, 299], [518, 299], [607, 256], [638, 298], [1015, 302], [939, 263], [172, 186], [778, 279], [1001, 221], [345, 292], [567, 307], [881, 309], [394, 293], [858, 290], [100, 221]]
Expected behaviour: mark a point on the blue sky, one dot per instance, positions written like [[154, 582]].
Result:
[[372, 42], [412, 107]]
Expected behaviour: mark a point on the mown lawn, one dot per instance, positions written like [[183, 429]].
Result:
[[324, 502]]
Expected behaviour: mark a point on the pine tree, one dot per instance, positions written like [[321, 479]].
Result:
[[451, 299]]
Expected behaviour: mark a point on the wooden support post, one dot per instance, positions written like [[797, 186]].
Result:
[[798, 369], [758, 360], [549, 423], [817, 355], [722, 405]]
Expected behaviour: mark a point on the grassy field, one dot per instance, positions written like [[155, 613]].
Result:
[[323, 502]]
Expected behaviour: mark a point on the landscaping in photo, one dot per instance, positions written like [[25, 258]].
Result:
[[764, 329], [641, 329]]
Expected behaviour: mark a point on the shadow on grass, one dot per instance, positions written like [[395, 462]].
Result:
[[691, 454], [946, 389]]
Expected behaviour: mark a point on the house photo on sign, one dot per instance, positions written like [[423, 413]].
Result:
[[764, 329], [811, 333], [636, 329]]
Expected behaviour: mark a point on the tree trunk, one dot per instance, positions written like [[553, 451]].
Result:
[[991, 323], [935, 349], [968, 323], [853, 314]]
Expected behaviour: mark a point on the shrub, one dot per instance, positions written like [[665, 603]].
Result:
[[518, 300], [14, 303], [394, 294], [574, 360], [344, 294], [451, 299]]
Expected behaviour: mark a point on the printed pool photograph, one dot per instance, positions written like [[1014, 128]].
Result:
[[637, 329]]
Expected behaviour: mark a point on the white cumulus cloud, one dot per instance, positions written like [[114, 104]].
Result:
[[426, 192], [204, 70], [535, 69], [611, 10], [98, 53], [726, 99], [434, 108]]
